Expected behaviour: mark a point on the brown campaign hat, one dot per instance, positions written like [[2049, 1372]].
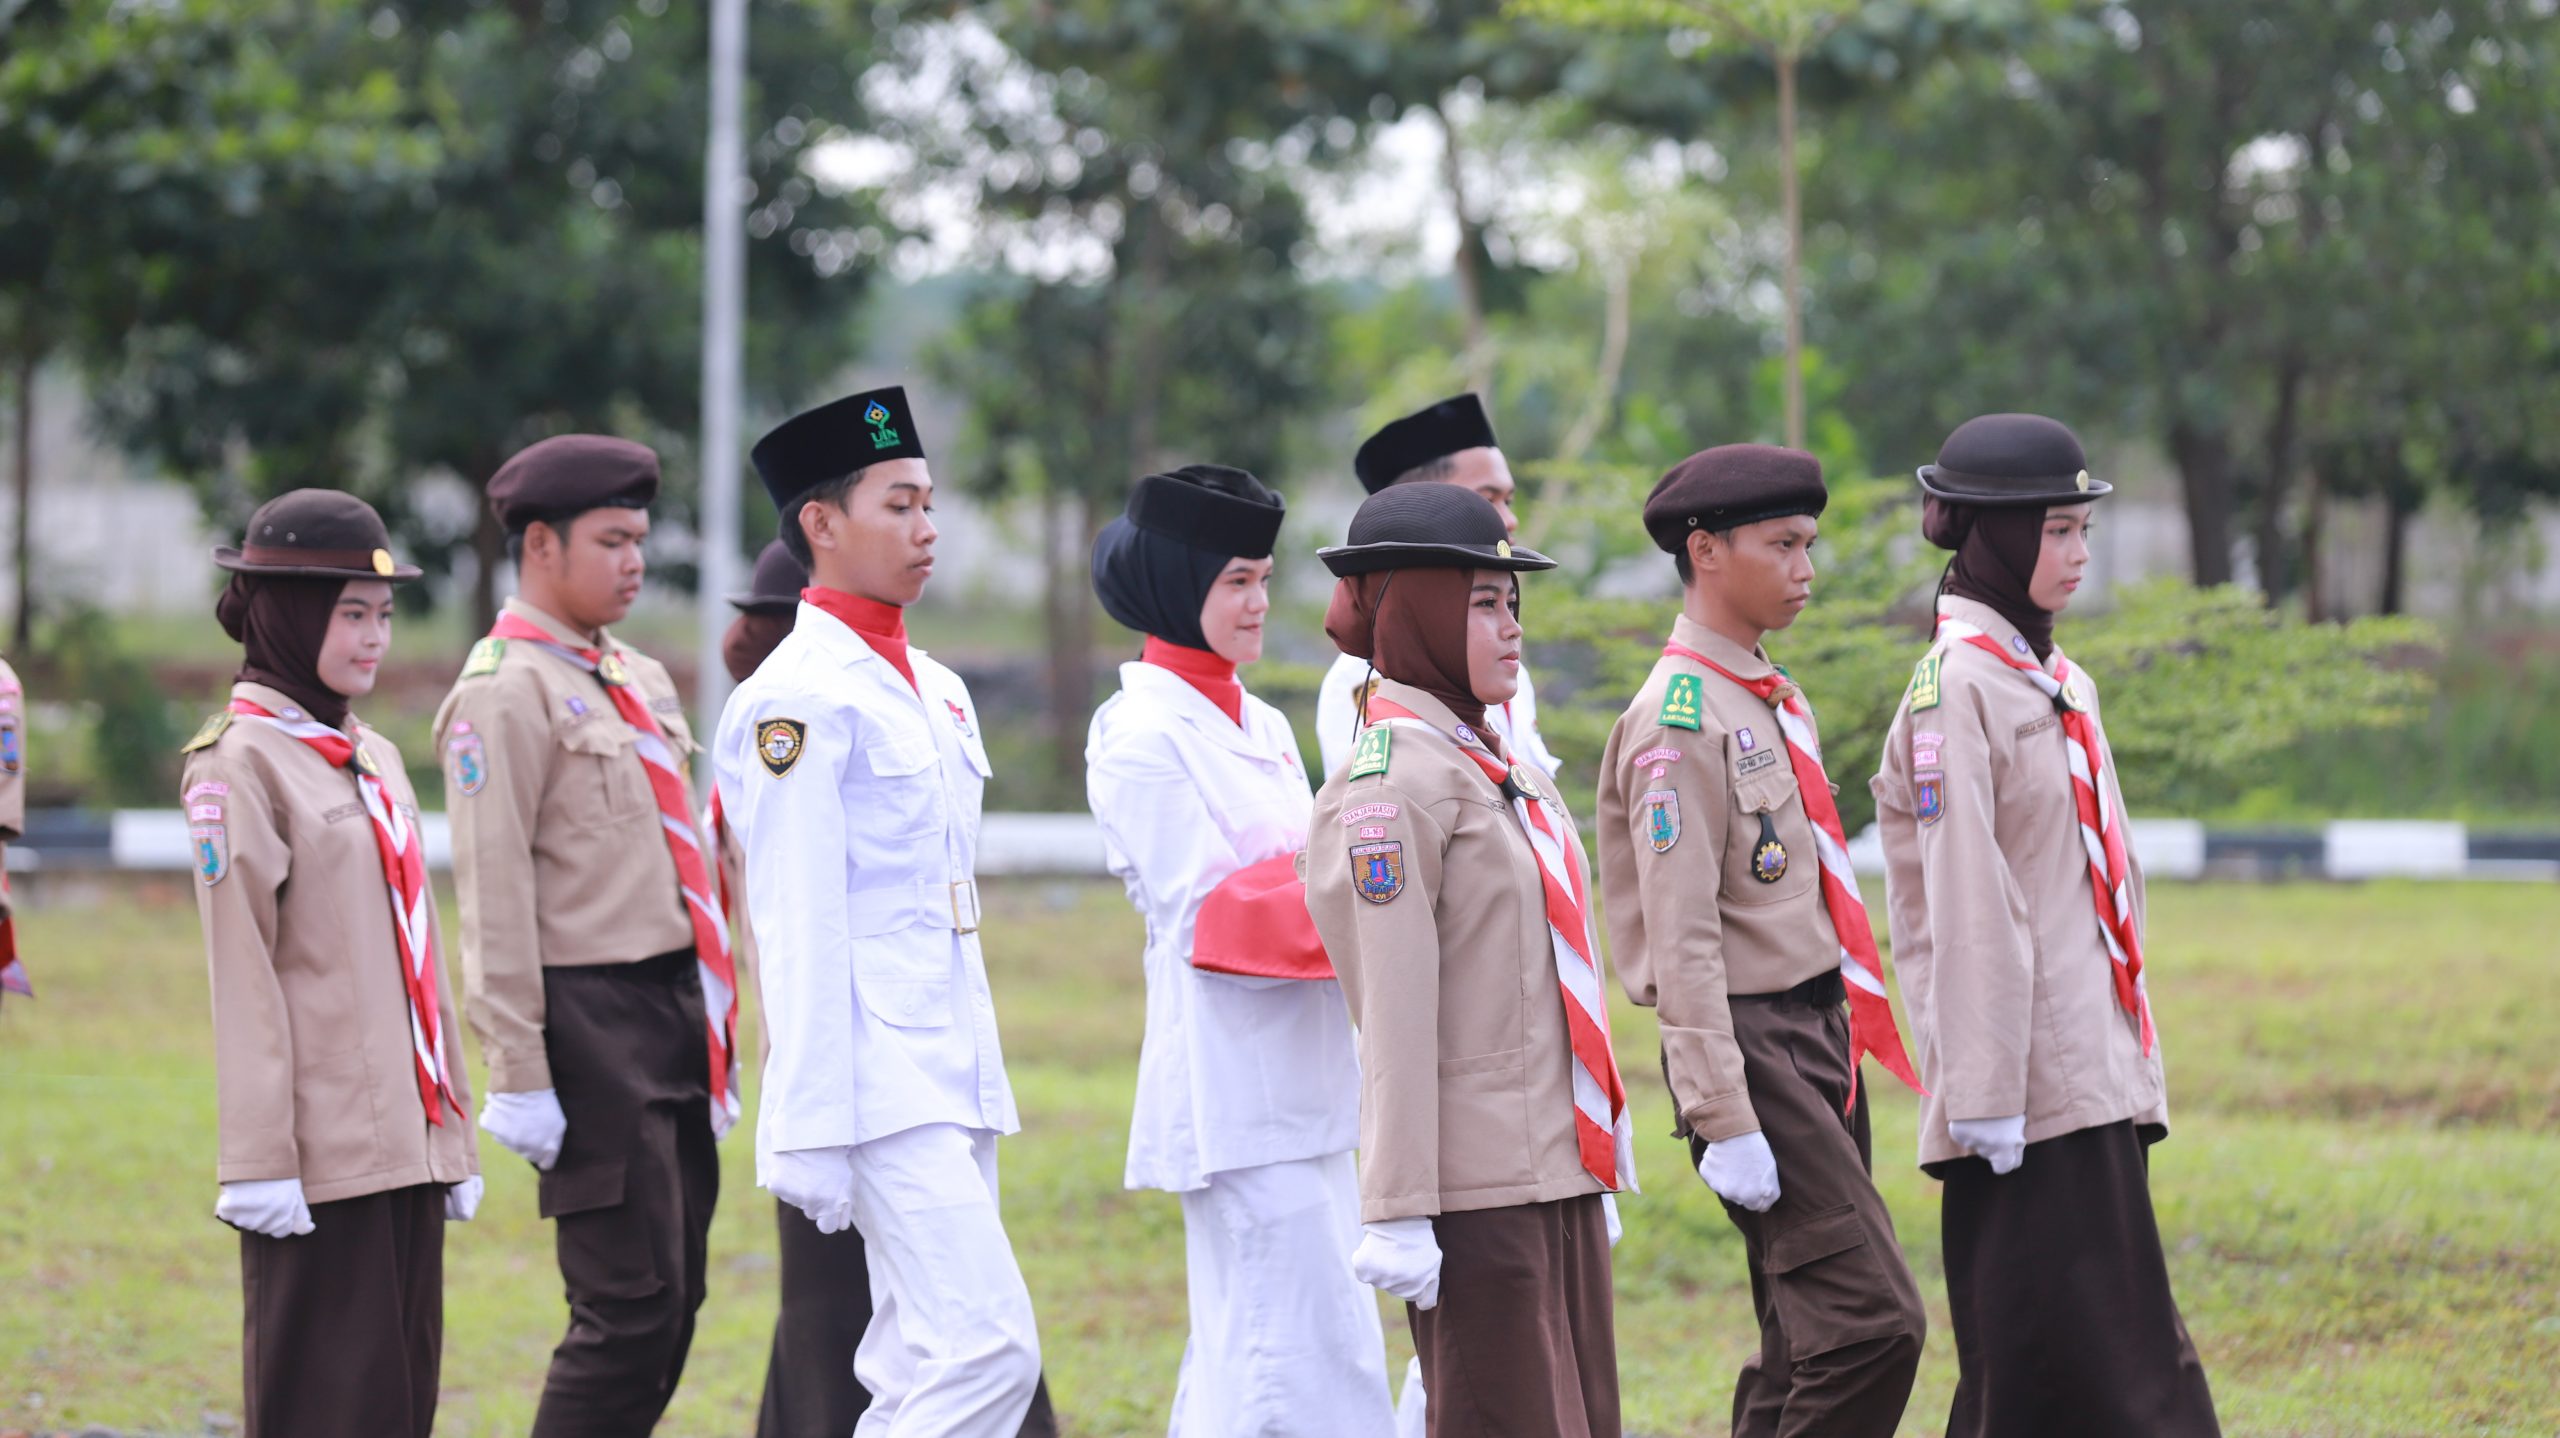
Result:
[[566, 475], [777, 583], [1729, 486], [2003, 460], [1428, 526], [321, 533]]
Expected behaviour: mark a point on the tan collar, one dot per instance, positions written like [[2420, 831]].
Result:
[[1987, 619], [558, 629], [1744, 663], [275, 702]]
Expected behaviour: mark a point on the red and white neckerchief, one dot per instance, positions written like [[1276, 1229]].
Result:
[[1601, 1129], [695, 863], [1871, 1027], [404, 870], [2101, 825]]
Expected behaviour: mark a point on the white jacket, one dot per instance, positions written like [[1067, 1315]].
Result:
[[1337, 726], [1234, 1072], [859, 858]]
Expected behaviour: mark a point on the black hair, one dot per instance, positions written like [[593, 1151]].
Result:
[[832, 492], [1430, 469]]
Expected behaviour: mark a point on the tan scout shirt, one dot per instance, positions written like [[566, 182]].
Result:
[[1466, 1069], [314, 1077], [559, 858], [1995, 924], [1697, 910]]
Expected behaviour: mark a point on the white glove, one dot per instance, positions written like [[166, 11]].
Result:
[[461, 1200], [1402, 1256], [2001, 1140], [816, 1181], [272, 1206], [529, 1124], [723, 1117], [1609, 1209], [1742, 1171]]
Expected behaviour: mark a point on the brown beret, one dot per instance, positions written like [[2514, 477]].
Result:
[[565, 476], [1730, 485], [316, 533]]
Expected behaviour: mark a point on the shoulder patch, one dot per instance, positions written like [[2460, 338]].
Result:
[[466, 758], [484, 657], [1662, 819], [1924, 683], [212, 729], [780, 743], [1682, 703], [1377, 870], [1371, 755], [213, 849]]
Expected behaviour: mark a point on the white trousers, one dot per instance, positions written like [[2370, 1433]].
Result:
[[1284, 1341], [951, 1351]]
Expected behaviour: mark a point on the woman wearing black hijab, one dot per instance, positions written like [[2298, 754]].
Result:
[[346, 1143], [1248, 1094], [2017, 915]]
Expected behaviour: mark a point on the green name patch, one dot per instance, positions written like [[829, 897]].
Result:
[[1681, 702], [1371, 756]]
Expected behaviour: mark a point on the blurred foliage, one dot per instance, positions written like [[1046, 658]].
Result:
[[129, 751]]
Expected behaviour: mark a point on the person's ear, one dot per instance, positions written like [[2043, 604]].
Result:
[[817, 524], [1702, 547]]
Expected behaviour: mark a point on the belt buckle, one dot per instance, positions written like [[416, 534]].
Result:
[[964, 920]]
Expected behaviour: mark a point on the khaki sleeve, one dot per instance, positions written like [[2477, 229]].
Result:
[[1662, 860], [493, 839], [1373, 899], [242, 863], [1980, 937]]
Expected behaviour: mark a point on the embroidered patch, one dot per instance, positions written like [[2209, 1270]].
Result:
[[1373, 831], [209, 789], [198, 813], [467, 762], [1929, 797], [1927, 758], [484, 658], [1656, 756], [1368, 811], [779, 743], [213, 852], [1681, 702], [1753, 763], [669, 704], [10, 758], [1662, 819], [960, 719], [2038, 726], [2018, 642], [1370, 757], [1377, 870], [1657, 771], [1743, 734], [576, 706], [1924, 684], [1467, 735], [211, 731], [1923, 739]]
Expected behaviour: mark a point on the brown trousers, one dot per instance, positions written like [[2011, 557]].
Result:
[[1841, 1324], [2060, 1296], [1524, 1341], [632, 1193], [809, 1387], [342, 1328]]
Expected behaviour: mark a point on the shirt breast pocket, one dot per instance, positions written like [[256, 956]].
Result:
[[600, 767], [906, 782], [1770, 856]]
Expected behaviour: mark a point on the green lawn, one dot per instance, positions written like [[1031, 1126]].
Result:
[[2359, 1195]]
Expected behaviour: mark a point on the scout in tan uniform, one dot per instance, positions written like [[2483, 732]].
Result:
[[1447, 882], [1735, 914], [585, 953], [13, 823], [345, 1117], [1999, 807]]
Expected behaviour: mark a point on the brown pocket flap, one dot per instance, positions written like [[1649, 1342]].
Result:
[[1766, 792], [579, 1190], [1831, 1231]]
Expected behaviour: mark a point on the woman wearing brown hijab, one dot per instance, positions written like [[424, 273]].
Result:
[[344, 1125], [1448, 884], [2017, 915]]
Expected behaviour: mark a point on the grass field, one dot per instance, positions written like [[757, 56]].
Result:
[[2359, 1194]]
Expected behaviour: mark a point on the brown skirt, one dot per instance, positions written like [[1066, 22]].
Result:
[[1523, 1343], [2060, 1296]]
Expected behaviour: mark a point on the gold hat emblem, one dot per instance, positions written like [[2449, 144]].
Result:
[[382, 564], [1502, 547], [2082, 480]]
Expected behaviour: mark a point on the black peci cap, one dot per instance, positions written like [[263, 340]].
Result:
[[1731, 485], [825, 444], [317, 533], [1210, 507], [2002, 460], [1428, 526], [1417, 439]]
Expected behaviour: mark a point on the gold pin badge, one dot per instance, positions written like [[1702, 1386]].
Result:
[[2082, 481], [382, 564], [1502, 547]]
